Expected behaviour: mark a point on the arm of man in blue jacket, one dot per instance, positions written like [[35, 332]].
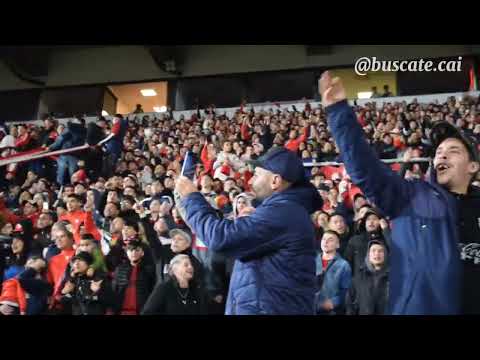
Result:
[[380, 184], [245, 237]]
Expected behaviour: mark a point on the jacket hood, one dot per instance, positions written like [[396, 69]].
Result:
[[76, 128], [248, 198], [368, 265], [305, 194]]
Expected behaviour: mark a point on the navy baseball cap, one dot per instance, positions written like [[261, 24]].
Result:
[[283, 162]]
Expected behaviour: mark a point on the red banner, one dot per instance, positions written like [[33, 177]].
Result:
[[37, 154]]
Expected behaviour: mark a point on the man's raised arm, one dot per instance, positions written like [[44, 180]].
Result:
[[380, 184]]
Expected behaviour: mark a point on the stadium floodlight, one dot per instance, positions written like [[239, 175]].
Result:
[[148, 92], [365, 95]]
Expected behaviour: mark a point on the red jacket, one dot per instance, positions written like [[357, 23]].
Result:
[[12, 218], [78, 218], [12, 292], [22, 141], [293, 145]]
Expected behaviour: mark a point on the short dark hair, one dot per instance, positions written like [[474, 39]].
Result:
[[132, 223], [87, 237], [129, 198], [337, 214], [76, 197], [332, 232], [113, 203]]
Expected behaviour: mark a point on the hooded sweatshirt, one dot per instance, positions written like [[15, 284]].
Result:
[[368, 294]]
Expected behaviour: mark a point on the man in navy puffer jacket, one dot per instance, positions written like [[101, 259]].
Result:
[[274, 271]]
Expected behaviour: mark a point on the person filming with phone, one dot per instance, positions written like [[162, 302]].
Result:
[[273, 247]]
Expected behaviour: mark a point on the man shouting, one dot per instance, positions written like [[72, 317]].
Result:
[[432, 219]]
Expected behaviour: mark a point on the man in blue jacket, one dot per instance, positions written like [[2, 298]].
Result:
[[435, 262], [334, 277], [74, 135], [274, 271]]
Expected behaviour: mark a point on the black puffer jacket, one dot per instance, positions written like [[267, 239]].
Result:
[[145, 284], [356, 250], [83, 301], [368, 294]]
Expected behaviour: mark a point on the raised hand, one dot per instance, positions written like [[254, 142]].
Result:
[[331, 89], [95, 286], [384, 224], [68, 288], [184, 186]]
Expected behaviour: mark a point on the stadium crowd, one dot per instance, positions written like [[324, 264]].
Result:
[[102, 231]]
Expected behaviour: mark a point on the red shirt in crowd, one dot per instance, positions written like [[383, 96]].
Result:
[[247, 175], [34, 218], [80, 175], [14, 295], [12, 218], [116, 126], [79, 217], [293, 145], [328, 171], [130, 302], [56, 268], [207, 163], [244, 132], [22, 141], [324, 264]]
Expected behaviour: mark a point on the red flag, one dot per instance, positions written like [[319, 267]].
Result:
[[473, 80]]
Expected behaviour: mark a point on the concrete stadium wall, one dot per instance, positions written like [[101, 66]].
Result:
[[117, 64]]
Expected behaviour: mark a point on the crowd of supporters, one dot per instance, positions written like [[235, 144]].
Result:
[[101, 230]]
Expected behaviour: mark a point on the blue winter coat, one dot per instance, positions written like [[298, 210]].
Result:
[[334, 284], [425, 260], [74, 135], [274, 271]]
